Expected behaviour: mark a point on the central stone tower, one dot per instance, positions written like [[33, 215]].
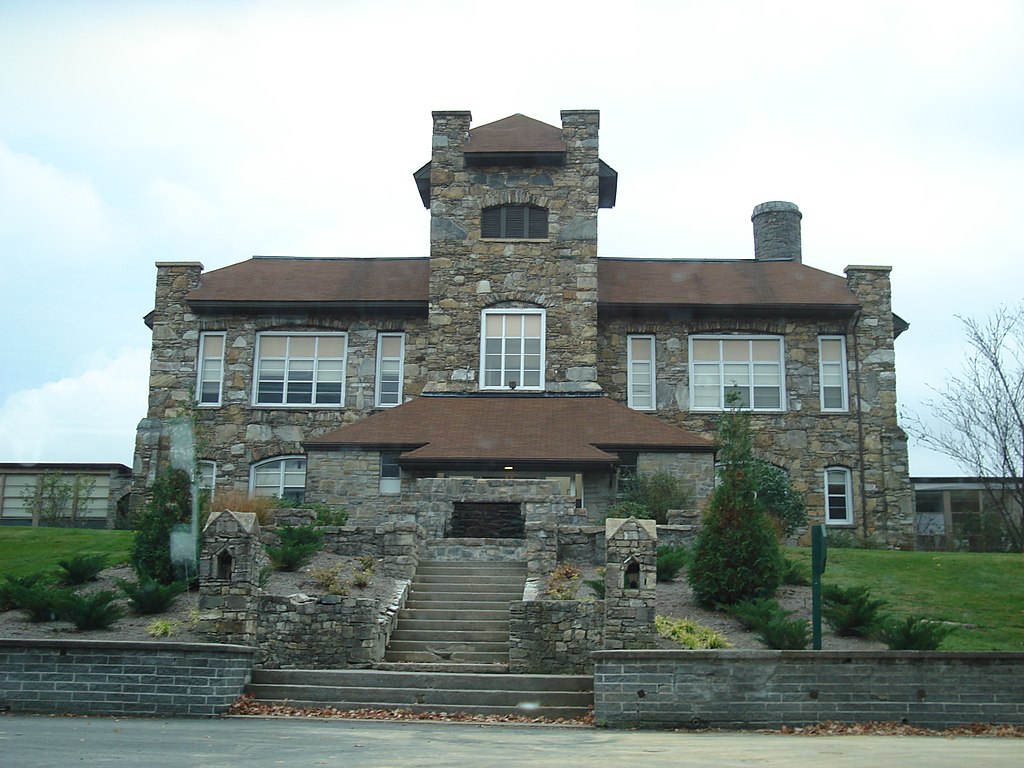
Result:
[[513, 253]]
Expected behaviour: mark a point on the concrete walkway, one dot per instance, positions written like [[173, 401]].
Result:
[[33, 741]]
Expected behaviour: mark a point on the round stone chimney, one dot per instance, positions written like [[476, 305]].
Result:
[[777, 231]]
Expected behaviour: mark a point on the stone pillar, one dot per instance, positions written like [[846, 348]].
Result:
[[172, 372], [231, 562], [883, 491], [777, 231], [631, 575], [400, 548]]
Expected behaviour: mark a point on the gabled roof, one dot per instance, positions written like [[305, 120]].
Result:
[[273, 281], [515, 133], [534, 430], [720, 285]]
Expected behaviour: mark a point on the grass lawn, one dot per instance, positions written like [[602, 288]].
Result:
[[25, 550], [982, 590]]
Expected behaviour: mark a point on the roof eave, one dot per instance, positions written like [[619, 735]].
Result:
[[265, 307], [707, 310]]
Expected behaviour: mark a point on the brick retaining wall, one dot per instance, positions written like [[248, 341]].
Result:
[[121, 678], [769, 689]]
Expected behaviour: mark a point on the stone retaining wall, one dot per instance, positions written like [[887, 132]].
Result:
[[121, 678], [769, 689], [554, 637]]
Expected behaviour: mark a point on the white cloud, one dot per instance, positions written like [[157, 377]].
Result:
[[91, 417]]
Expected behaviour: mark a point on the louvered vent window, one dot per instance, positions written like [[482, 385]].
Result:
[[515, 222]]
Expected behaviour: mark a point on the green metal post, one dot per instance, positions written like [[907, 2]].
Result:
[[819, 557]]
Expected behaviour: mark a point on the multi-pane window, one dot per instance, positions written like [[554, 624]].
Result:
[[207, 476], [832, 371], [838, 496], [211, 368], [390, 348], [390, 474], [640, 373], [300, 369], [736, 371], [513, 349], [515, 222], [285, 477]]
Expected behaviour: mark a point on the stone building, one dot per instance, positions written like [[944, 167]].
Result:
[[514, 351]]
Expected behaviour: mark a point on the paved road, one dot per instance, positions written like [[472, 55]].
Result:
[[54, 742]]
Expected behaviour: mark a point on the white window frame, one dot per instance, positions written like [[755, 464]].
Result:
[[833, 370], [289, 359], [540, 313], [847, 495], [210, 368], [392, 483], [641, 396], [380, 396], [283, 469], [207, 476], [751, 364]]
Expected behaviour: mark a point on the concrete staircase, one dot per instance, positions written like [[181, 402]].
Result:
[[549, 696], [449, 653], [456, 617]]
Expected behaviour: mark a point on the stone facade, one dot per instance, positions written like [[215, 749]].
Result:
[[584, 349], [630, 581]]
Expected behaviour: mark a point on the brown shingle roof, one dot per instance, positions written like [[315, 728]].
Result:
[[621, 282], [510, 428], [721, 284], [516, 133], [274, 279]]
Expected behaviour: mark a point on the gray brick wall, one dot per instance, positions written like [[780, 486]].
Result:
[[769, 689], [121, 678]]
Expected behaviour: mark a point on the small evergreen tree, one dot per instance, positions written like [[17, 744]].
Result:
[[778, 498], [736, 556], [171, 503]]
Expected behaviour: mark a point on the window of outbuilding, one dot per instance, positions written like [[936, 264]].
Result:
[[522, 222]]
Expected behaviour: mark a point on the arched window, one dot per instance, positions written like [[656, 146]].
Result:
[[515, 222], [284, 477], [838, 496]]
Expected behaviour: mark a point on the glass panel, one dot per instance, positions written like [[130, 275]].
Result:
[[272, 346], [328, 370], [832, 398], [391, 346], [302, 346], [735, 350], [328, 393], [494, 325], [213, 346], [330, 346], [706, 349], [766, 397], [531, 325], [300, 370], [737, 397], [641, 348], [831, 350], [766, 350]]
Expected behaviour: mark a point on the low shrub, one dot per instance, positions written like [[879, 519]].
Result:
[[42, 602], [11, 583], [627, 509], [689, 634], [148, 596], [597, 586], [850, 611], [95, 611], [755, 613], [367, 562], [162, 627], [298, 544], [795, 573], [81, 569], [913, 633], [361, 579], [782, 633], [671, 560], [240, 501], [329, 580], [658, 493]]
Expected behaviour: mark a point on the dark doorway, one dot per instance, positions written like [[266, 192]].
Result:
[[486, 520]]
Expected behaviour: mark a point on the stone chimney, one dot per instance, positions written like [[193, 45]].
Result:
[[777, 231]]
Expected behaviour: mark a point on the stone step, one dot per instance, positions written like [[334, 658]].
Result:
[[444, 593], [456, 625], [434, 667], [445, 646], [476, 690], [437, 613], [512, 580], [428, 657], [456, 605], [447, 634], [470, 568]]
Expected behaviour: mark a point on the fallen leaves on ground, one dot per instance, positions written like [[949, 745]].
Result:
[[832, 728]]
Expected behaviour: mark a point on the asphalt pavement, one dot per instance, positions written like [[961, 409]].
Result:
[[28, 741]]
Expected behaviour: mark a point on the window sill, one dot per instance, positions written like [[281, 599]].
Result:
[[296, 407], [515, 239]]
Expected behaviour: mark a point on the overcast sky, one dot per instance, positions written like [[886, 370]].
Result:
[[137, 132]]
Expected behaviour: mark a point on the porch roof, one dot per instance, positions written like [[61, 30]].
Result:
[[520, 429]]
